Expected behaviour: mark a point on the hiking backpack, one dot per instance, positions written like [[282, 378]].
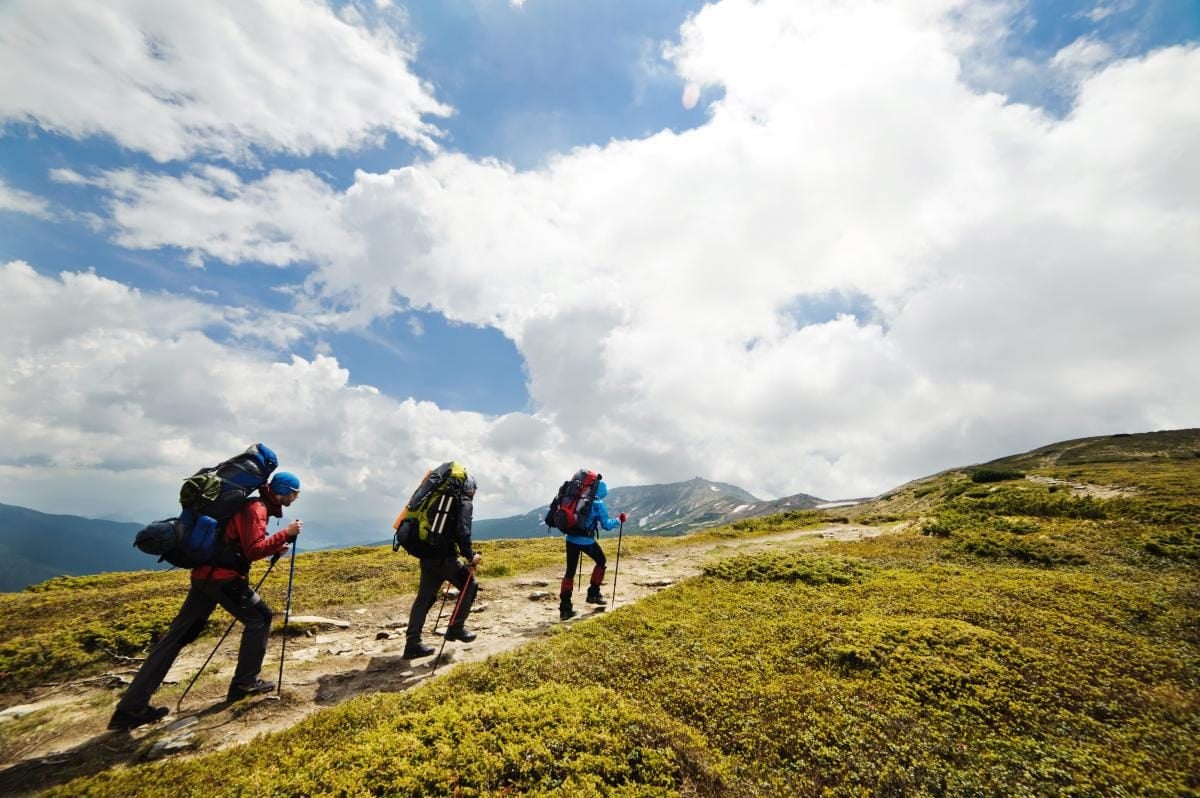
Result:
[[570, 509], [208, 499], [420, 529]]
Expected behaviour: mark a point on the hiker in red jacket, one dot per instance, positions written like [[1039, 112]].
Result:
[[225, 583]]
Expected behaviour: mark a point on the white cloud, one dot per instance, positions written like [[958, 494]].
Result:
[[284, 218], [18, 201], [1103, 11], [1081, 59], [1034, 278], [646, 282], [218, 78], [120, 394]]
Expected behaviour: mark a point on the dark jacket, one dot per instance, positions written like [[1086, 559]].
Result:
[[459, 537]]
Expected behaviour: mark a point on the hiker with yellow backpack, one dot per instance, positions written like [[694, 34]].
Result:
[[435, 527]]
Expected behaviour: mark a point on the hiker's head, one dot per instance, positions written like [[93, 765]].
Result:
[[469, 487], [601, 489], [285, 486]]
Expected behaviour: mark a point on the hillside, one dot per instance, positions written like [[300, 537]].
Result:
[[669, 509], [1024, 626], [37, 546]]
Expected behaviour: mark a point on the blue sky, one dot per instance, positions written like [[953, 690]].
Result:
[[788, 246]]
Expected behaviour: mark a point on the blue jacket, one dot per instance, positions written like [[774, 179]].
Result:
[[597, 518]]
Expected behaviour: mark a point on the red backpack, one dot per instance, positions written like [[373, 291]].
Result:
[[570, 508]]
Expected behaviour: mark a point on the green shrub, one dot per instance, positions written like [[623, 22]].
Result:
[[995, 475], [810, 569], [996, 545], [1182, 544], [550, 740]]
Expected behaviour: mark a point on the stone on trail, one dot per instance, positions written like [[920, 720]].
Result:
[[317, 620]]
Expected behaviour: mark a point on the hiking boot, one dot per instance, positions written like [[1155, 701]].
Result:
[[565, 611], [416, 650], [123, 720], [239, 691], [460, 634], [593, 596]]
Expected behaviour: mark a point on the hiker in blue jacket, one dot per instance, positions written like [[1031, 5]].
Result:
[[585, 542]]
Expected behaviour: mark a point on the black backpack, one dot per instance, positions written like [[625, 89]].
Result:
[[208, 499], [569, 510], [420, 529], [220, 491]]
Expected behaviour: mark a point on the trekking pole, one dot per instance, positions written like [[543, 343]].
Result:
[[454, 615], [617, 568], [228, 629], [287, 613], [579, 572], [445, 595]]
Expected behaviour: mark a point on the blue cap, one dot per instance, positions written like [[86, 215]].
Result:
[[285, 482]]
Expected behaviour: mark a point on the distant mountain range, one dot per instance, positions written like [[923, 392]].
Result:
[[671, 509], [37, 546]]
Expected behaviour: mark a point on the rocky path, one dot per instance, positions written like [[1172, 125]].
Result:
[[355, 651]]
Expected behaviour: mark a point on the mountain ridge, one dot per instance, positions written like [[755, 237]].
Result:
[[668, 508]]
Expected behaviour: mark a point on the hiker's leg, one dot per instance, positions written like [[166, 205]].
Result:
[[459, 578], [567, 586], [186, 627], [427, 590], [597, 554], [572, 561], [243, 603], [597, 578]]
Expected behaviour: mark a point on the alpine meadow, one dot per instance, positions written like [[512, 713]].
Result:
[[584, 398], [1027, 626]]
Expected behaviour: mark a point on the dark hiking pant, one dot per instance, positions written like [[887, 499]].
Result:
[[574, 550], [434, 571], [240, 600]]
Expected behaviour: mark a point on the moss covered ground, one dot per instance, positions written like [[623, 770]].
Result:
[[1021, 638]]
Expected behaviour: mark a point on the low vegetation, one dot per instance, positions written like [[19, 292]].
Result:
[[1021, 641], [73, 627]]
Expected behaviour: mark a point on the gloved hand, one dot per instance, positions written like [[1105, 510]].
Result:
[[475, 559], [621, 517]]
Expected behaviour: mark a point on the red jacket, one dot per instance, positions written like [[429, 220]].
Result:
[[247, 532]]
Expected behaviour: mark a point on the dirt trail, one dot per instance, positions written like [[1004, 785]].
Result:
[[326, 669]]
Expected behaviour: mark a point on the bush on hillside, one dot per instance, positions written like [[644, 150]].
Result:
[[980, 475], [810, 569], [998, 545], [1182, 545]]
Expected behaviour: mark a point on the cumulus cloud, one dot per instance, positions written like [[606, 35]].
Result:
[[220, 78], [280, 219], [1032, 277], [122, 394], [18, 201], [1021, 278]]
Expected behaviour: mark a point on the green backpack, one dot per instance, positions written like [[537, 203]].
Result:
[[420, 529]]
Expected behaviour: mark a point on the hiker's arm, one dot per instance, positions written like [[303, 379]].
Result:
[[601, 510], [256, 544], [462, 535]]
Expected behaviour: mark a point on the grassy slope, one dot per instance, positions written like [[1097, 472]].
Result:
[[72, 627], [1020, 640]]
